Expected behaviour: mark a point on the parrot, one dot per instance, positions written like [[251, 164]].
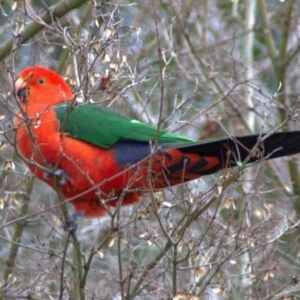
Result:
[[101, 158]]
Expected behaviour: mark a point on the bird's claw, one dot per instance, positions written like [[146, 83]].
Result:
[[59, 173], [71, 225], [64, 177]]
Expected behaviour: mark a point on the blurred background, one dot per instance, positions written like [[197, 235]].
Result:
[[202, 69]]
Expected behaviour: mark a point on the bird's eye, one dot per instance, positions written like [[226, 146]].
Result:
[[41, 80]]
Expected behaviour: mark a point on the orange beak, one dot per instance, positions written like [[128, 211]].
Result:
[[21, 89], [19, 83]]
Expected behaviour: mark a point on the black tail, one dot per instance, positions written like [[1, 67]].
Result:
[[234, 151]]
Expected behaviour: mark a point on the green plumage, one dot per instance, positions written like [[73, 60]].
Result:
[[104, 127]]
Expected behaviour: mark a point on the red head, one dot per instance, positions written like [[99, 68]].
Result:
[[39, 85]]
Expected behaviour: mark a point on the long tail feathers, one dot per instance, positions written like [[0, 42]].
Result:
[[233, 151], [179, 163]]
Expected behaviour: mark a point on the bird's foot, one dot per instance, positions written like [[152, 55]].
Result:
[[60, 174], [71, 225]]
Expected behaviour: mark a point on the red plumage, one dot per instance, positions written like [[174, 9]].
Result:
[[93, 175]]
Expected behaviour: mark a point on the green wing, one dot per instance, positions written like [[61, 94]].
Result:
[[104, 127]]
